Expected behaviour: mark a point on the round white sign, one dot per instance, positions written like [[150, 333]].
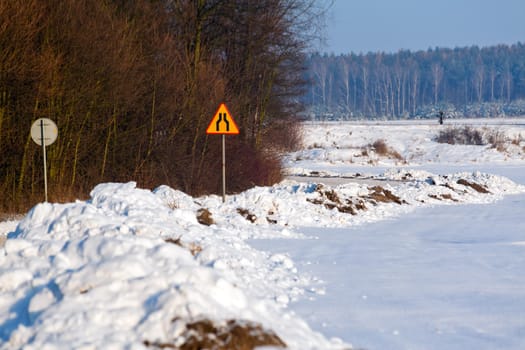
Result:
[[45, 131]]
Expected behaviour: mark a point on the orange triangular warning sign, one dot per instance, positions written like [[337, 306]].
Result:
[[222, 122]]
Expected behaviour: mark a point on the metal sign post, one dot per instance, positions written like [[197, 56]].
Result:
[[223, 168], [223, 124], [45, 157], [44, 132]]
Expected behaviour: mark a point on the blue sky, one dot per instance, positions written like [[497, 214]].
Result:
[[390, 25]]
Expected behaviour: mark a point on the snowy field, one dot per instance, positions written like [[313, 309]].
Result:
[[384, 239]]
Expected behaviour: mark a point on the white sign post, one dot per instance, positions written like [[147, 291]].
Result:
[[44, 132]]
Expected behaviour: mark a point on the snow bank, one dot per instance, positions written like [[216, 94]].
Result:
[[106, 273], [131, 267]]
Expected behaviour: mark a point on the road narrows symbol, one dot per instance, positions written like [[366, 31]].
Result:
[[222, 122], [223, 117]]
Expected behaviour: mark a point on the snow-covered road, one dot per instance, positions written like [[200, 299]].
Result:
[[334, 181], [447, 277]]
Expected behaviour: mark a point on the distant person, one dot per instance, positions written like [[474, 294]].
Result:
[[441, 117]]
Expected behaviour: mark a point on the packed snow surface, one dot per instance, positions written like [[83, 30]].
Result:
[[131, 268]]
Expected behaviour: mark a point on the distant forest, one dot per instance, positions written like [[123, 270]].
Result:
[[469, 81]]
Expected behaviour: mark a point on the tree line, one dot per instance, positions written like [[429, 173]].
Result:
[[409, 84], [133, 84]]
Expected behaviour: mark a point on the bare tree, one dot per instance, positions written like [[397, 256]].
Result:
[[437, 77], [345, 76], [478, 81]]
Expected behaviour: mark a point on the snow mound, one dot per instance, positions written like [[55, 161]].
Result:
[[112, 272]]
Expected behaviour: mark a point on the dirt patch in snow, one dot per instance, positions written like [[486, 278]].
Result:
[[352, 205], [444, 196], [204, 217], [245, 213], [191, 246], [380, 194], [479, 188], [239, 335], [446, 189], [330, 199]]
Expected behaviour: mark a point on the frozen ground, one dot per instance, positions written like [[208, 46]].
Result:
[[426, 256], [334, 148]]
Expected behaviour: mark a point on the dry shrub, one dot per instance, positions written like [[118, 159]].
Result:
[[470, 136], [395, 154], [497, 140], [15, 205], [448, 135], [382, 149], [461, 136], [254, 163], [517, 140], [284, 135], [500, 148], [235, 335], [245, 213], [248, 167], [172, 204], [2, 240], [479, 188], [10, 217], [204, 217]]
